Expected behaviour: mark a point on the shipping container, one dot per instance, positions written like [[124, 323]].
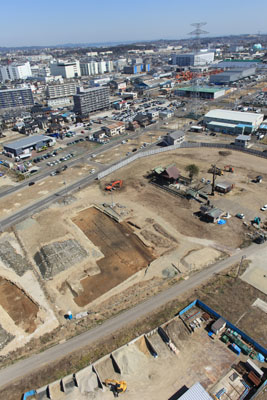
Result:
[[235, 348], [254, 379]]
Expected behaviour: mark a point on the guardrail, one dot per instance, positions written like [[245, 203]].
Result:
[[183, 145]]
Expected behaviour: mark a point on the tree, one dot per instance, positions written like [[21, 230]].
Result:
[[192, 169]]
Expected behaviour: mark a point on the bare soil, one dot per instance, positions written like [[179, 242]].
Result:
[[124, 253], [18, 305]]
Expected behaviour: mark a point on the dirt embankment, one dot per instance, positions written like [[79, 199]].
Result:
[[18, 305]]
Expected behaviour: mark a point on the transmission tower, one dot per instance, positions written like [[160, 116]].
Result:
[[196, 34]]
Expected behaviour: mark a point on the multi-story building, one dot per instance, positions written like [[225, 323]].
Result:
[[16, 98], [67, 69], [90, 100], [109, 66], [89, 68], [102, 68], [61, 90], [193, 59], [15, 71]]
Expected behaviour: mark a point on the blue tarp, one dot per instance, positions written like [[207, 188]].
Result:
[[28, 394], [221, 222]]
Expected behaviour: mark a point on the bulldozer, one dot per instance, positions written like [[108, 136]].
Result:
[[116, 387], [114, 185]]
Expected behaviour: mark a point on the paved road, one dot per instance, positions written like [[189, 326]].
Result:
[[100, 150], [31, 364], [79, 184]]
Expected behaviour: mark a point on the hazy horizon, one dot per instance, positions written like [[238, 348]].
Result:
[[64, 22]]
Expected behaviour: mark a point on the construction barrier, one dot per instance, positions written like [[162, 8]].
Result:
[[244, 336]]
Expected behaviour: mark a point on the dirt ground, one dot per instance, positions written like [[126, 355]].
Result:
[[26, 196], [226, 295], [18, 305], [124, 254], [160, 240]]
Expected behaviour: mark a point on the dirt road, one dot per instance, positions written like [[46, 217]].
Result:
[[24, 367]]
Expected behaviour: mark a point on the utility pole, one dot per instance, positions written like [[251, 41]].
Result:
[[240, 265], [213, 179]]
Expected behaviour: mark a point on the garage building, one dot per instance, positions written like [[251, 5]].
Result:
[[233, 122], [28, 144]]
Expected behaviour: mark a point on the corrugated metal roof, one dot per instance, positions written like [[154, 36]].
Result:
[[205, 89], [234, 115], [243, 137], [28, 141], [196, 392]]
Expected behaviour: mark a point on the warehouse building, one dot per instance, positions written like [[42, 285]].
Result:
[[90, 100], [28, 144], [193, 59], [233, 75], [200, 92], [232, 122], [16, 98]]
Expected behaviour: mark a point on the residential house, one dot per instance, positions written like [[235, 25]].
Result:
[[210, 213], [115, 128], [174, 138]]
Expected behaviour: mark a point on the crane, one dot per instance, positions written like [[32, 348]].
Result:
[[116, 386]]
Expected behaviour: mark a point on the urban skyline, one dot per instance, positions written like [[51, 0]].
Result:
[[90, 22]]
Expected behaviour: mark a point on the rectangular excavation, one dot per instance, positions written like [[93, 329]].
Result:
[[124, 253]]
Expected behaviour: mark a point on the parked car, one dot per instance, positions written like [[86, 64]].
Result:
[[31, 183], [264, 208], [240, 216]]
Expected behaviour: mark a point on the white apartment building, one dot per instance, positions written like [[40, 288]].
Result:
[[109, 66], [67, 69], [89, 68], [102, 68], [15, 71], [61, 90]]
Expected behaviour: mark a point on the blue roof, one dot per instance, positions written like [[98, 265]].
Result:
[[244, 126]]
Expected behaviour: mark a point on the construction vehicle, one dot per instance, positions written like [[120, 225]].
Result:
[[257, 221], [228, 168], [116, 387], [218, 171], [114, 185]]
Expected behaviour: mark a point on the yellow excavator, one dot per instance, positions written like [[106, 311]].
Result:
[[116, 387]]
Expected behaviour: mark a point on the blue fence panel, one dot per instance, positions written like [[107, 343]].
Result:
[[188, 307]]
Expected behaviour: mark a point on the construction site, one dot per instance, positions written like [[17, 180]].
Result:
[[138, 369], [122, 240]]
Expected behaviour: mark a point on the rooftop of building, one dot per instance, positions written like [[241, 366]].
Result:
[[28, 141], [204, 89], [234, 115]]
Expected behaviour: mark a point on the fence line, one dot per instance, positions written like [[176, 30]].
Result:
[[183, 145]]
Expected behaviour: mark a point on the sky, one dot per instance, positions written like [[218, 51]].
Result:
[[52, 22]]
